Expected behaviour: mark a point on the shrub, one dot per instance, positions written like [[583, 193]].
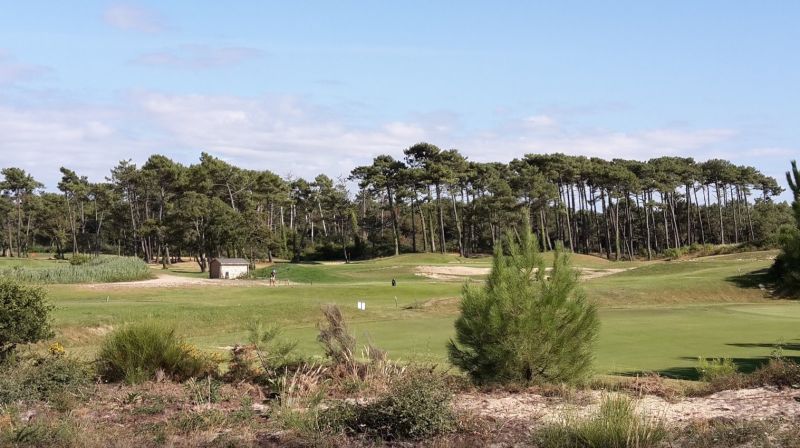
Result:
[[704, 250], [715, 368], [274, 352], [42, 378], [416, 406], [779, 372], [244, 364], [136, 352], [525, 324], [24, 316], [264, 359], [674, 253], [616, 424], [79, 259]]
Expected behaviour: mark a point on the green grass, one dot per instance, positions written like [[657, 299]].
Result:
[[701, 280], [33, 263], [659, 316]]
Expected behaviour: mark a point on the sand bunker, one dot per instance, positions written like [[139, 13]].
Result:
[[759, 403], [462, 272]]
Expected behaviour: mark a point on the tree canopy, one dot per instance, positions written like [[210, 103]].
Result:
[[431, 200]]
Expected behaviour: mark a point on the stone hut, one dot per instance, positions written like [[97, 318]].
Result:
[[228, 268]]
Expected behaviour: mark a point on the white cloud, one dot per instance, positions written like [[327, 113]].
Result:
[[13, 71], [197, 57], [540, 121], [281, 133], [544, 134], [287, 134], [129, 17], [84, 138]]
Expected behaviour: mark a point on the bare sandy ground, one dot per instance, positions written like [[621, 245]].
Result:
[[760, 403], [176, 281], [460, 272]]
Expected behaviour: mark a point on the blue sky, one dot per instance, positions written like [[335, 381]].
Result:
[[308, 87]]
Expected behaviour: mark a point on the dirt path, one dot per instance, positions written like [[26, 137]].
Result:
[[163, 280], [461, 272], [760, 403]]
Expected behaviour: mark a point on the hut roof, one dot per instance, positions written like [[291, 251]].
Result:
[[232, 261]]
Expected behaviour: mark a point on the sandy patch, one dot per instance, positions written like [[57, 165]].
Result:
[[101, 330], [450, 272], [174, 281], [81, 335], [759, 403], [461, 272]]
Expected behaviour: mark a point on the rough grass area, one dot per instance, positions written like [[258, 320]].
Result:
[[659, 316], [204, 413], [102, 269]]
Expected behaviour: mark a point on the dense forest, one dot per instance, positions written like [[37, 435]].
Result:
[[431, 200]]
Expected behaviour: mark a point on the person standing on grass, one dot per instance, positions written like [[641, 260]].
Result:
[[272, 278]]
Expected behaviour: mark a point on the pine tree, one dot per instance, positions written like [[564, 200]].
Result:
[[793, 178], [526, 324], [787, 264]]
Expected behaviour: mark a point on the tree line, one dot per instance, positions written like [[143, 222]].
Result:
[[430, 200]]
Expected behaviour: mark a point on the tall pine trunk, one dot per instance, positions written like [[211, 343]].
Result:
[[458, 226], [719, 208], [442, 244], [395, 225], [699, 217], [647, 226], [607, 222]]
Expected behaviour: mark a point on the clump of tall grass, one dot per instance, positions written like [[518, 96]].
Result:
[[616, 424], [337, 342], [136, 352], [715, 368], [102, 269]]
